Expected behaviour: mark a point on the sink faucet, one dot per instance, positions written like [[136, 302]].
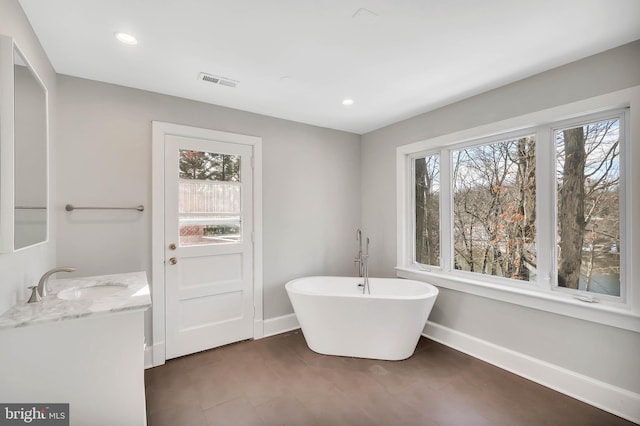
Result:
[[43, 284]]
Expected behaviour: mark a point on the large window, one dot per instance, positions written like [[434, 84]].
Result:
[[540, 208], [588, 206], [494, 208], [427, 209]]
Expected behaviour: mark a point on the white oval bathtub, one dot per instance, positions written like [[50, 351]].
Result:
[[337, 319]]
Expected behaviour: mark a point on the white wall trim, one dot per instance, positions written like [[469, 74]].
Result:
[[148, 357], [281, 324], [613, 399], [158, 353], [157, 241], [258, 272]]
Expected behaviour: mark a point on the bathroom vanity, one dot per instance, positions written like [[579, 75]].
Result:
[[83, 344]]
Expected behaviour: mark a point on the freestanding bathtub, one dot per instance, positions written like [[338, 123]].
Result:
[[337, 319]]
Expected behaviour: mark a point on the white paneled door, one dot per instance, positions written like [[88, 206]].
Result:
[[208, 226]]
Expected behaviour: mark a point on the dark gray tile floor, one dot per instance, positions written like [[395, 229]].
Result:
[[280, 381]]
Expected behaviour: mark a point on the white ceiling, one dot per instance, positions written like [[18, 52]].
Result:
[[297, 59]]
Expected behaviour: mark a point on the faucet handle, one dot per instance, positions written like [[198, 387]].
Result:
[[35, 296]]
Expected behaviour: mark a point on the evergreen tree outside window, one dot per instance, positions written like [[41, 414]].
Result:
[[209, 198]]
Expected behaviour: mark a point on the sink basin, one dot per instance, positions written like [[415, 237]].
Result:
[[97, 291]]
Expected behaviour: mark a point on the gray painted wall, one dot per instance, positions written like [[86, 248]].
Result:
[[311, 184], [604, 353], [311, 206], [24, 268]]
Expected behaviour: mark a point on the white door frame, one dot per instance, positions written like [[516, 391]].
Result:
[[159, 131]]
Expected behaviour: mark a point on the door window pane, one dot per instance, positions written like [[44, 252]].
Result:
[[209, 203], [588, 203]]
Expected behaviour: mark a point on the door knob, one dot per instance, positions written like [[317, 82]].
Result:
[[173, 261], [172, 246]]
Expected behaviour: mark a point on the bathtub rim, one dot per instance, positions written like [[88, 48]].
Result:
[[432, 290]]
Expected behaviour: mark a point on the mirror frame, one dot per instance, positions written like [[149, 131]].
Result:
[[8, 47]]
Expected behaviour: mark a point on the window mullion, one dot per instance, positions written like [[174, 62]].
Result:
[[546, 207], [446, 211], [411, 209], [626, 262]]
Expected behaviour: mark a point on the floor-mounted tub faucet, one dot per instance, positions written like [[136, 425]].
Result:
[[365, 269], [358, 258], [362, 260], [43, 284]]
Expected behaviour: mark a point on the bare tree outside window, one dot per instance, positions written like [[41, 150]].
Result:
[[475, 207], [427, 202], [494, 210], [588, 202]]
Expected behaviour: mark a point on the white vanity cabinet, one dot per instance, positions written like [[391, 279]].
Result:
[[85, 352]]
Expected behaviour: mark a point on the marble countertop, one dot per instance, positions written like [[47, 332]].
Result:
[[133, 296]]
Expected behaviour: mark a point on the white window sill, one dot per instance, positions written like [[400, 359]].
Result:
[[550, 301]]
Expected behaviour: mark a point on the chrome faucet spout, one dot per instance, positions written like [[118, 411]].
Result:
[[43, 284]]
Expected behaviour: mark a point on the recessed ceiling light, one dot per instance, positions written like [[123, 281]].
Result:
[[347, 102], [126, 38]]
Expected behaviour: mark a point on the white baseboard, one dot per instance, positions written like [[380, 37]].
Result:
[[148, 357], [278, 325], [266, 328], [154, 355], [618, 401], [258, 329]]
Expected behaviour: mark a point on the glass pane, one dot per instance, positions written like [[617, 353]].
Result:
[[427, 190], [588, 197], [494, 209], [30, 156], [209, 166], [209, 204]]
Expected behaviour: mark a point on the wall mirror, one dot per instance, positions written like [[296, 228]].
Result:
[[23, 151]]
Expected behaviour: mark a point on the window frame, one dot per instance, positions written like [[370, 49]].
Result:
[[412, 159], [497, 138], [543, 293], [623, 116]]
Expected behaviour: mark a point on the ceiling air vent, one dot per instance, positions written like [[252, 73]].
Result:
[[217, 80]]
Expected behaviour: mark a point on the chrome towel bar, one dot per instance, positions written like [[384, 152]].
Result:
[[71, 207]]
